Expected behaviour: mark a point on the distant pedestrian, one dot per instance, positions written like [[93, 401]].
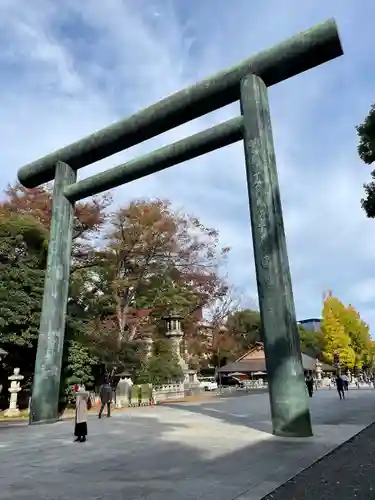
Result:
[[345, 380], [105, 394], [129, 390], [310, 384], [316, 384], [83, 404], [340, 386]]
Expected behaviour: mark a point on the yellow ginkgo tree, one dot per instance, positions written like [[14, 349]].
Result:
[[334, 337], [359, 334]]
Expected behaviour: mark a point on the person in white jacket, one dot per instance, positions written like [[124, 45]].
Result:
[[82, 407]]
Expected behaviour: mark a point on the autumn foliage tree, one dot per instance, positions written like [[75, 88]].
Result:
[[156, 258], [88, 220], [359, 334], [128, 269], [335, 339], [345, 332]]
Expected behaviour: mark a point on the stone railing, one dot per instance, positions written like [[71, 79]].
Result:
[[168, 391], [255, 384], [144, 395]]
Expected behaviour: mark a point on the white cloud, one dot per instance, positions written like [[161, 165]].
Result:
[[73, 67], [364, 291]]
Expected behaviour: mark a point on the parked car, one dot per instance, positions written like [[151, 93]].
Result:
[[228, 381], [208, 383]]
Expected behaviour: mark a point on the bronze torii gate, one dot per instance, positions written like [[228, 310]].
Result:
[[247, 82]]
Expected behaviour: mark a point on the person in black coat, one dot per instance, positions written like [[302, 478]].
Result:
[[310, 384], [105, 394], [340, 386]]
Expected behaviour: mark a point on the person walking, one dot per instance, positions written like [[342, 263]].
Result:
[[82, 407], [129, 390], [340, 386], [310, 384], [105, 394], [345, 380]]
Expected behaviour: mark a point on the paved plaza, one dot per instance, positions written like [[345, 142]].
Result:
[[221, 449]]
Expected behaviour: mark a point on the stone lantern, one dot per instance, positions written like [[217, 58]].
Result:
[[318, 369], [174, 332], [148, 342], [14, 389]]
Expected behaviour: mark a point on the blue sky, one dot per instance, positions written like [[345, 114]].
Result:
[[69, 68]]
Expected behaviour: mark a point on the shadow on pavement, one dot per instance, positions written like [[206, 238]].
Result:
[[334, 412], [142, 458], [213, 410]]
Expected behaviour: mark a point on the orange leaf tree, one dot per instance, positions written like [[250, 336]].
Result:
[[156, 259], [89, 219]]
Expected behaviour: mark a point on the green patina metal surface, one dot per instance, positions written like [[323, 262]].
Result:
[[288, 397], [196, 145], [304, 51], [44, 401]]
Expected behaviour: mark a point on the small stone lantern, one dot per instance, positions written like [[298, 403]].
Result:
[[14, 389], [318, 369]]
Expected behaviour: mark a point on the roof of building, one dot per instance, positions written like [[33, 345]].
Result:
[[255, 365], [310, 320], [254, 360]]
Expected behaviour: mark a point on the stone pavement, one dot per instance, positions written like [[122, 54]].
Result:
[[220, 450], [346, 473]]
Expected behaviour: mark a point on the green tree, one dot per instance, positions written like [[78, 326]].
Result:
[[23, 245], [366, 151], [163, 366], [77, 369], [311, 342], [246, 326], [79, 363], [25, 216]]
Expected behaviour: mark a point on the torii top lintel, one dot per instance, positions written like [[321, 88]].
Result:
[[300, 53]]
